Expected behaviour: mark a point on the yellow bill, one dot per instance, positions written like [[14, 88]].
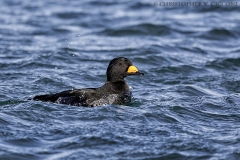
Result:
[[132, 69]]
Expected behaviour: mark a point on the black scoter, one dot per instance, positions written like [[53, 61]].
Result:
[[114, 91]]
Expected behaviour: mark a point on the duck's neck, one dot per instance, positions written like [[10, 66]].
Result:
[[116, 86]]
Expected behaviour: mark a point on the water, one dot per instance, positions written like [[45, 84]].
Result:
[[186, 106]]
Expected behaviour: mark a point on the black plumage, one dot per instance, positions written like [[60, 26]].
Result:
[[114, 91]]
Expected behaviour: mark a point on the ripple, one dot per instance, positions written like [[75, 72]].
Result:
[[139, 30], [219, 34], [70, 15], [225, 64], [191, 90]]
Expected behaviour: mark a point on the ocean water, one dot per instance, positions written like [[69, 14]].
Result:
[[186, 106]]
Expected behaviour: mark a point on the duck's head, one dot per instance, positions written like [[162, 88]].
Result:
[[121, 67]]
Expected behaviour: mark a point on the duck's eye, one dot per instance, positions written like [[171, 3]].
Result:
[[120, 64]]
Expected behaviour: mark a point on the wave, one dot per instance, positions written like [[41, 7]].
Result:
[[220, 34], [232, 64], [138, 30]]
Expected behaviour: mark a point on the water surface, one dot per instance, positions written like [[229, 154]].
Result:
[[186, 106]]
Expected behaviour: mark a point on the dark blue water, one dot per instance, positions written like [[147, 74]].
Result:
[[187, 106]]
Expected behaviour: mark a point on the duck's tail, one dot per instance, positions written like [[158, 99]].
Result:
[[46, 98]]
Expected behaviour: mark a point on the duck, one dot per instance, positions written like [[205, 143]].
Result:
[[114, 91]]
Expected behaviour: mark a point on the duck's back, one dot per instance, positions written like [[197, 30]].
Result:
[[78, 97]]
